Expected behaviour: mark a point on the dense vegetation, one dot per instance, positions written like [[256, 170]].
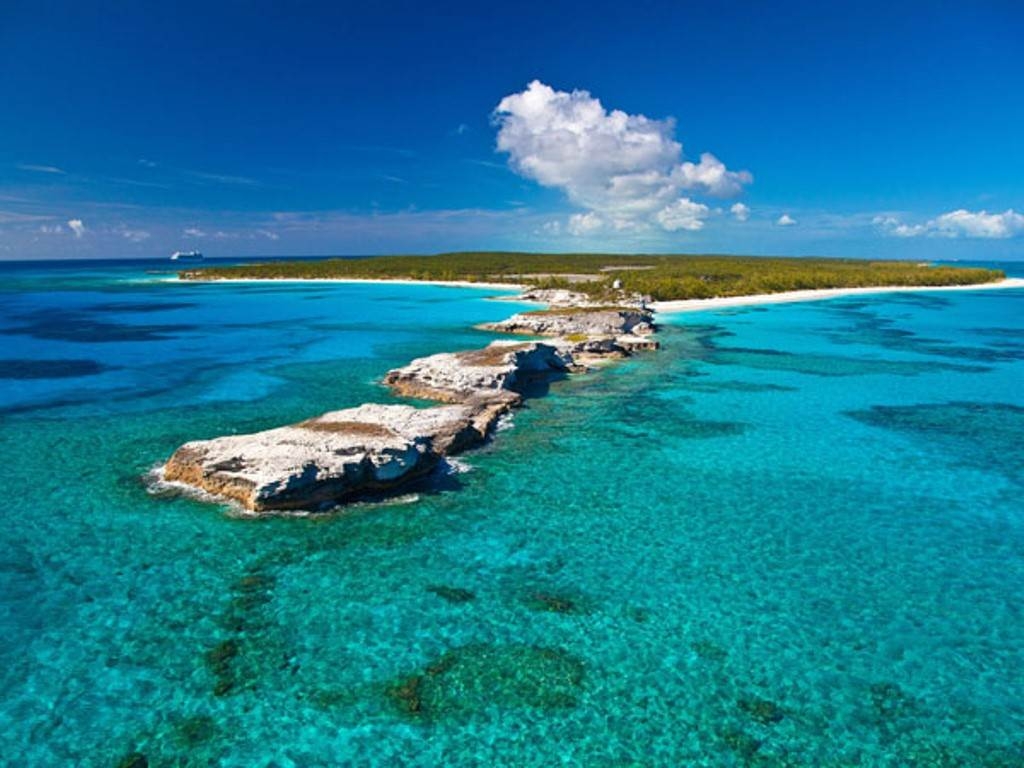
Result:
[[662, 277]]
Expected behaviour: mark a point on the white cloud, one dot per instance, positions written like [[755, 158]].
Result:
[[581, 224], [740, 212], [193, 232], [626, 170], [785, 220], [682, 214], [55, 229], [711, 176], [268, 234], [135, 235], [223, 178], [40, 168], [76, 226], [958, 223], [15, 217]]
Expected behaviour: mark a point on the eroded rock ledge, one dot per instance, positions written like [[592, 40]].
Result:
[[374, 448]]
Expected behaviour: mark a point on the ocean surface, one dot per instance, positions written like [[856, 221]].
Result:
[[793, 537]]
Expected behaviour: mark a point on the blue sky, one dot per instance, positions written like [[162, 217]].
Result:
[[248, 128]]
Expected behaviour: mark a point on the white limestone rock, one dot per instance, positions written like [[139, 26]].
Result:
[[326, 459], [480, 375]]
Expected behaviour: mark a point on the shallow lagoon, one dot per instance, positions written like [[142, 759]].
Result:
[[792, 537]]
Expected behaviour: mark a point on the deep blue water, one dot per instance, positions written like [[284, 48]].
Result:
[[793, 537]]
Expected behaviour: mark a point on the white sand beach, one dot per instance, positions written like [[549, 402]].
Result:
[[786, 297], [390, 281]]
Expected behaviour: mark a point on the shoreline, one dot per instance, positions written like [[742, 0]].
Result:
[[662, 307], [817, 294], [359, 280]]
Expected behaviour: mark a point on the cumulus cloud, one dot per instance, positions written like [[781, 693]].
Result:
[[740, 212], [54, 229], [626, 170], [76, 226], [581, 224], [958, 223], [194, 232], [682, 214], [785, 220]]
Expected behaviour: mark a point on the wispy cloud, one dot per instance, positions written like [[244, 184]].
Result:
[[134, 235], [15, 217], [401, 151], [224, 178], [40, 168], [135, 182], [486, 163]]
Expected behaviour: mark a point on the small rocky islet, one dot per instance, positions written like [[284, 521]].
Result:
[[375, 448]]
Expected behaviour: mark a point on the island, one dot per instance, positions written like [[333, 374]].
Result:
[[598, 308]]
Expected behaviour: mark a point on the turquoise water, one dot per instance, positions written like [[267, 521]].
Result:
[[793, 537]]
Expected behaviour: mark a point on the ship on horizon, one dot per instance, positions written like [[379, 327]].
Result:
[[186, 256]]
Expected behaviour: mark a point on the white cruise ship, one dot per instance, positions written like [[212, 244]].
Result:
[[186, 256]]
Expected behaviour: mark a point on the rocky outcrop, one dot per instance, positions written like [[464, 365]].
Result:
[[492, 374], [591, 335], [372, 448], [611, 321], [340, 455], [326, 459]]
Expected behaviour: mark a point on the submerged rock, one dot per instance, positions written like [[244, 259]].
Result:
[[762, 710], [133, 760], [471, 679], [545, 602], [452, 594]]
